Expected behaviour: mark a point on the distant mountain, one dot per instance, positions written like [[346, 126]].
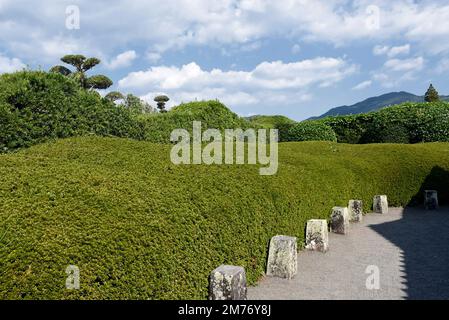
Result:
[[376, 103]]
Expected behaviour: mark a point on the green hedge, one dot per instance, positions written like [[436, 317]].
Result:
[[212, 114], [37, 106], [405, 123], [309, 131], [139, 227]]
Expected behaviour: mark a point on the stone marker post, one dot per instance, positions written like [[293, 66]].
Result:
[[317, 235], [282, 257], [340, 220], [227, 283], [430, 199], [355, 208], [380, 204]]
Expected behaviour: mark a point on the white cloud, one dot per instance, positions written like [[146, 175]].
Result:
[[394, 51], [124, 59], [412, 64], [179, 23], [380, 50], [153, 57], [363, 85], [8, 65], [391, 51], [396, 71], [268, 81]]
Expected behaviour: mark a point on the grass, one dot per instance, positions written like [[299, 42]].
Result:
[[139, 227]]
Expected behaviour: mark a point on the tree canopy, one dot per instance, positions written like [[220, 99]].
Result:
[[82, 65], [431, 94]]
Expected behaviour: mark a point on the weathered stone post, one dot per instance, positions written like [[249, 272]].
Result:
[[317, 235], [282, 257], [355, 208], [380, 204], [227, 283], [340, 220], [430, 199]]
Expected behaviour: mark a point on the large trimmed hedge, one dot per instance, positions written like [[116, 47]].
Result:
[[36, 106], [212, 114], [405, 123], [309, 131], [138, 226]]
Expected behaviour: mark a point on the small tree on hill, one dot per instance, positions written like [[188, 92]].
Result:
[[82, 65], [114, 96], [161, 100], [431, 94], [137, 105]]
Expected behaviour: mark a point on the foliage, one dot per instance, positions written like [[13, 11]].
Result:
[[161, 100], [282, 123], [405, 123], [137, 106], [98, 82], [37, 106], [310, 131], [431, 95], [212, 114], [82, 65], [139, 227], [114, 96]]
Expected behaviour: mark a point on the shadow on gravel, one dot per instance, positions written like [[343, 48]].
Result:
[[423, 237]]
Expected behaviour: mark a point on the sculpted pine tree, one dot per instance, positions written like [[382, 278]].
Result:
[[161, 100], [114, 96], [82, 65], [431, 94]]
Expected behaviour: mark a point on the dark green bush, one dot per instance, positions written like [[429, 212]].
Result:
[[309, 131], [282, 123], [36, 106], [349, 129], [212, 114], [405, 123], [139, 227]]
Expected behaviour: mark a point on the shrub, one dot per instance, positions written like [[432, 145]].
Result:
[[310, 131], [36, 106], [139, 227], [282, 123], [405, 123], [212, 114], [349, 129]]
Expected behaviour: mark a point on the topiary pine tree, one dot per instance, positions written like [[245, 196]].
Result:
[[161, 100], [114, 96], [431, 95], [82, 65]]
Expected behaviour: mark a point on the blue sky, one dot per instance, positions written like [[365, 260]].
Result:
[[292, 57]]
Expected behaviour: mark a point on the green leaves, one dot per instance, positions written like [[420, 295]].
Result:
[[431, 95], [405, 123], [114, 96], [75, 60], [61, 69], [310, 131], [212, 114], [98, 82], [90, 63], [82, 65], [37, 106]]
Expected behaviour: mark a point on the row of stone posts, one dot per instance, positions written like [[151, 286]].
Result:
[[229, 282]]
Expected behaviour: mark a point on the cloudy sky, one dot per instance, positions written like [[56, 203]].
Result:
[[293, 57]]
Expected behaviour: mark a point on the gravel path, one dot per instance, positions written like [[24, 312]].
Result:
[[409, 246]]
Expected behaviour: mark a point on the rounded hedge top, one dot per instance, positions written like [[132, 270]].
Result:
[[310, 131], [161, 98]]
